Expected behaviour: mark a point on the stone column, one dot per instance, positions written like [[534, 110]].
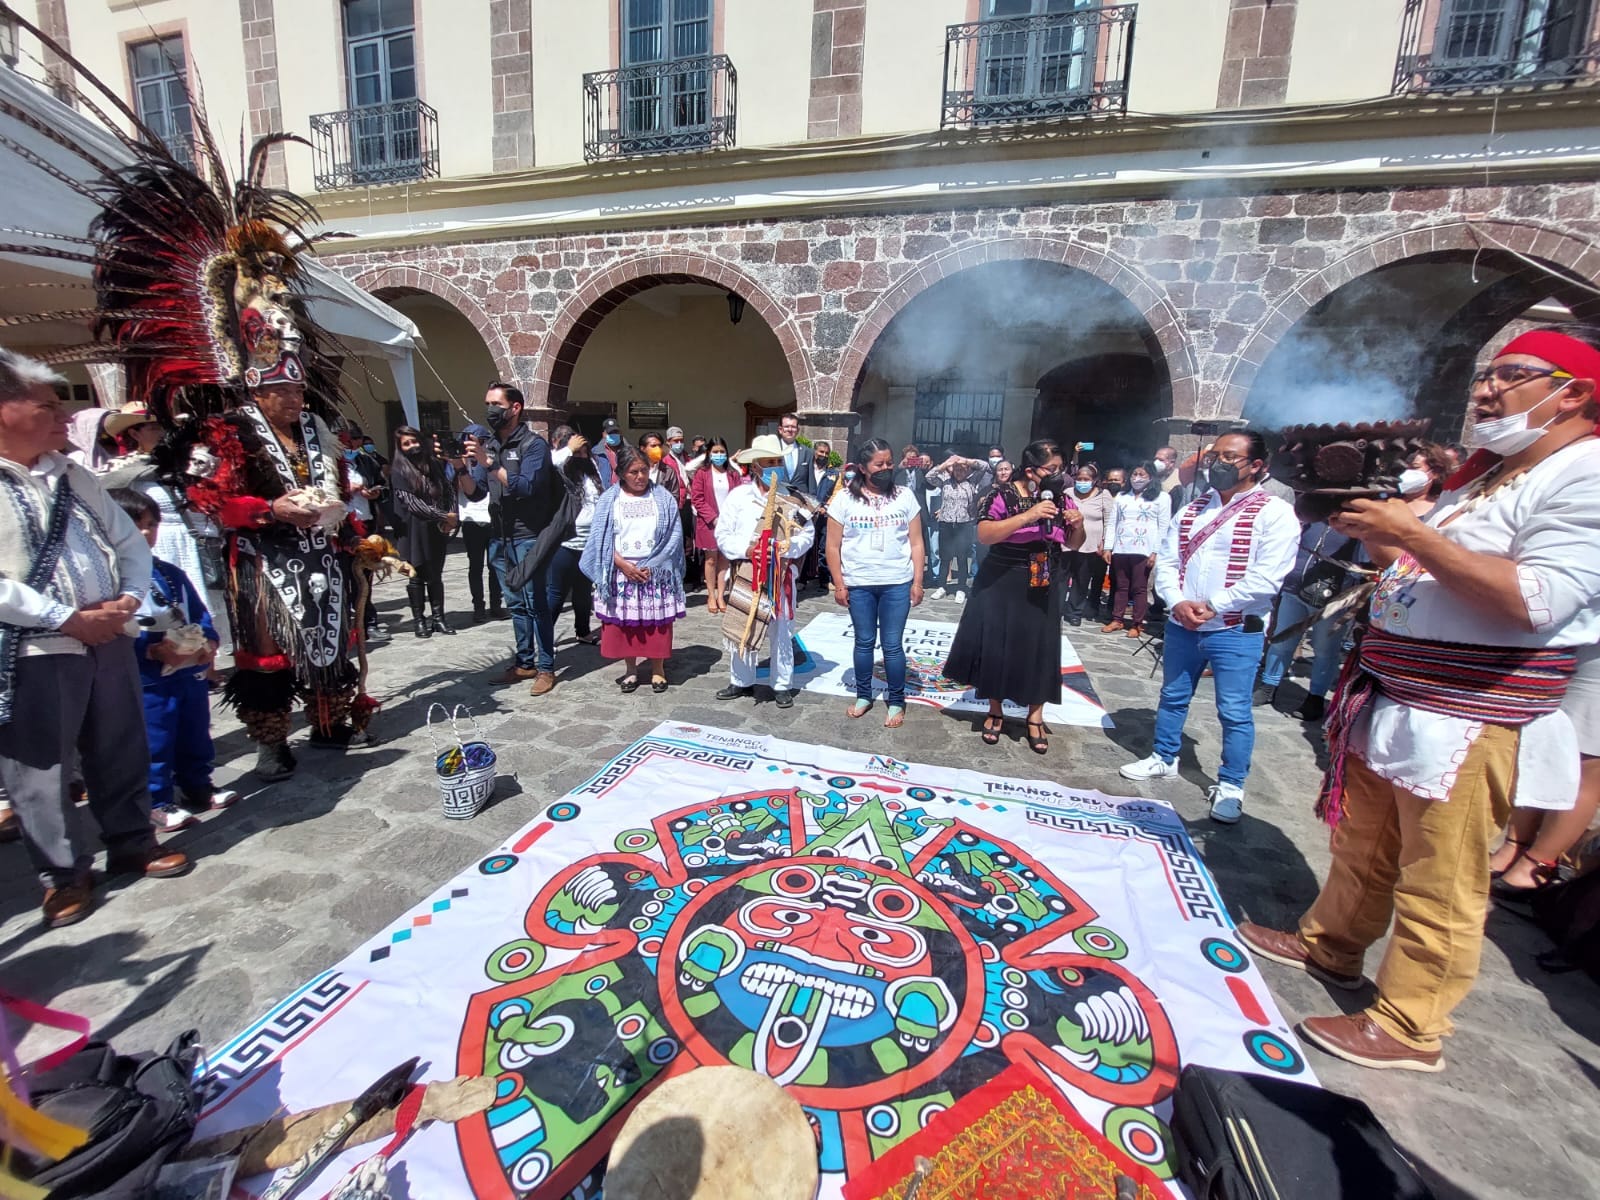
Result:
[[511, 75], [838, 36], [1255, 58], [258, 31]]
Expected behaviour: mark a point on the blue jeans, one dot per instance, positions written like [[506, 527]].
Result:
[[1233, 656], [531, 619], [1326, 642], [177, 721], [566, 580], [878, 614]]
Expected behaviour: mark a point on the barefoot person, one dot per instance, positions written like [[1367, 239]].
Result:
[[634, 558], [1452, 703], [876, 558]]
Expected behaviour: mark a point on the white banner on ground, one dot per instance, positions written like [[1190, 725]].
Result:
[[880, 937], [828, 666]]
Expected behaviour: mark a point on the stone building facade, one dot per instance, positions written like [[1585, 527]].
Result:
[[1218, 281]]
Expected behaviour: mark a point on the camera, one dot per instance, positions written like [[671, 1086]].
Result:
[[449, 445]]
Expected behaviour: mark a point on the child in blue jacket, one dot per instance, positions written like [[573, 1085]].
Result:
[[177, 700]]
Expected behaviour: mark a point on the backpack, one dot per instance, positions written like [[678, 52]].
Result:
[[139, 1110]]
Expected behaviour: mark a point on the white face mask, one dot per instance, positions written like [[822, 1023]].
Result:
[[1162, 467], [1506, 436], [1413, 481]]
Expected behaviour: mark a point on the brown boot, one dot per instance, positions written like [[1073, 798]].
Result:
[[544, 681], [1283, 947], [67, 905], [515, 674], [152, 862], [1359, 1039]]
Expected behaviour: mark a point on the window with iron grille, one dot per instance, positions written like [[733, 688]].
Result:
[[958, 416], [161, 93], [380, 46], [1038, 61], [1503, 41], [666, 31]]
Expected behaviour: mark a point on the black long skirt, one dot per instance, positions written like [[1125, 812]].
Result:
[[1008, 644]]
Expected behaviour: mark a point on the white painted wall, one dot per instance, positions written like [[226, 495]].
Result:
[[769, 42], [683, 350], [902, 86], [568, 40], [1177, 54], [454, 41], [310, 73], [100, 31], [1345, 50], [29, 51]]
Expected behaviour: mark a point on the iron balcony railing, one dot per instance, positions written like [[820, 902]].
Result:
[[376, 143], [660, 108], [1443, 49], [1009, 69]]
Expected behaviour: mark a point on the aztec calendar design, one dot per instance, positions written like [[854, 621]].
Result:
[[879, 961]]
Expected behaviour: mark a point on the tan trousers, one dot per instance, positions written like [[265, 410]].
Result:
[[1427, 864]]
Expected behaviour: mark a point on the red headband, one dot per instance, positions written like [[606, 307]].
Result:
[[1578, 359]]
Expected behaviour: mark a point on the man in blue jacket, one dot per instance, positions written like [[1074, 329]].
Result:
[[525, 495]]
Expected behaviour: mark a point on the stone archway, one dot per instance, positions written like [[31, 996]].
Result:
[[414, 279], [1566, 264], [1170, 345], [606, 290]]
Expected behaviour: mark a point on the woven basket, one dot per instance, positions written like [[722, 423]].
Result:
[[464, 766]]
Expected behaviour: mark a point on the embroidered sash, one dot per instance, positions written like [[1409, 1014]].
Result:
[[1492, 684], [46, 554], [1241, 514]]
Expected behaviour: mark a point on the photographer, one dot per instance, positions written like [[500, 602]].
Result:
[[425, 509], [478, 449]]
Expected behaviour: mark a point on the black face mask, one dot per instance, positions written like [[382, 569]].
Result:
[[416, 453], [495, 417], [1114, 488], [882, 480], [1055, 484], [1224, 476]]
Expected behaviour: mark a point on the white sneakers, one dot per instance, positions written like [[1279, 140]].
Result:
[[169, 818], [961, 597], [936, 594], [1154, 767], [1227, 802]]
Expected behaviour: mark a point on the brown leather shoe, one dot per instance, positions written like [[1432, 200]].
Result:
[[1288, 949], [67, 905], [154, 863], [1359, 1039], [1112, 627], [544, 681], [515, 674]]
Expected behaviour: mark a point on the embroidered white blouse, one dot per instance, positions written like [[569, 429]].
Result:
[[1274, 541]]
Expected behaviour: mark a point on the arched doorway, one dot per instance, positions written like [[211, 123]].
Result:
[[451, 373], [685, 353], [1402, 339], [1005, 352]]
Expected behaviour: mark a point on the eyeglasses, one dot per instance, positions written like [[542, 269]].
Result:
[[1232, 460], [1510, 375]]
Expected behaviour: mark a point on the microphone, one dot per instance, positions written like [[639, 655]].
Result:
[[1049, 496]]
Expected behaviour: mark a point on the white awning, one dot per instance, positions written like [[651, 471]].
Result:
[[35, 203]]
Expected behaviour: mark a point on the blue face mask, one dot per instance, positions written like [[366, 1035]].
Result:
[[769, 476], [349, 455], [1083, 487], [613, 439], [719, 459]]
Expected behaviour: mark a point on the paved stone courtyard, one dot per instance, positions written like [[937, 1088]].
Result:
[[299, 873]]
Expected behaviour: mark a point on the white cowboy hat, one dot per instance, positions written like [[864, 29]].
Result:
[[132, 413], [765, 446]]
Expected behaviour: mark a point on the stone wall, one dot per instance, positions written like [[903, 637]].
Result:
[[1219, 280]]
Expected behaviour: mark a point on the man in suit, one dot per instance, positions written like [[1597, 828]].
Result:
[[912, 474], [820, 483], [797, 459]]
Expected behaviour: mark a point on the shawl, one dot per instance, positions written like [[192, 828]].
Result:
[[665, 558]]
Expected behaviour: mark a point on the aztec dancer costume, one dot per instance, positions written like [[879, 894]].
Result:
[[196, 279]]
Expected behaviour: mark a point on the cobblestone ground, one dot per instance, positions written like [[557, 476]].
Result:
[[300, 873]]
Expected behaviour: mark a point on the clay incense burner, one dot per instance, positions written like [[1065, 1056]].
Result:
[[1328, 465]]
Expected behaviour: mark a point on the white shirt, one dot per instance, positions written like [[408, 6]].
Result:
[[739, 516], [1274, 540], [584, 521], [1548, 522], [360, 506], [634, 521], [875, 536], [1137, 525], [92, 576]]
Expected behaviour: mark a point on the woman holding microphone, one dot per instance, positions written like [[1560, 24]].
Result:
[[1008, 644]]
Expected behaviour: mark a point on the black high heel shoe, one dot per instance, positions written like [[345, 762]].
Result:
[[1039, 745], [441, 626], [991, 730]]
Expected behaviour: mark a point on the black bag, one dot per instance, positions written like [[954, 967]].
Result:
[[1324, 578], [1251, 1137], [139, 1110]]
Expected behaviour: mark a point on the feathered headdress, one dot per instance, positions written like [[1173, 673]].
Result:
[[195, 274]]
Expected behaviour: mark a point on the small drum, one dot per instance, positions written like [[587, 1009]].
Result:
[[736, 620], [713, 1134]]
